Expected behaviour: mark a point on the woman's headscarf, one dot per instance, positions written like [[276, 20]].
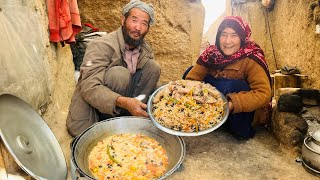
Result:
[[214, 58]]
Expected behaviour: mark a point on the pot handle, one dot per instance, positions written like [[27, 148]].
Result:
[[78, 176], [75, 174], [299, 159], [73, 141]]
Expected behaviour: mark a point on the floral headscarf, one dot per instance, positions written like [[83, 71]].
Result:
[[214, 58]]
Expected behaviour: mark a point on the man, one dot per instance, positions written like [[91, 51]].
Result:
[[116, 68]]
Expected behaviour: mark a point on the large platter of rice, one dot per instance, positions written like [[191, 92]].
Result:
[[187, 108]]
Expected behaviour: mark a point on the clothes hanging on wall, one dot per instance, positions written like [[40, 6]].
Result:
[[64, 20]]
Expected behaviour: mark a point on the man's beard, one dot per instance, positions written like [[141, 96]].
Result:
[[129, 40]]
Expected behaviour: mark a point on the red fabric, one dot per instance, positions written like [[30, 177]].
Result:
[[94, 29], [213, 56], [64, 20]]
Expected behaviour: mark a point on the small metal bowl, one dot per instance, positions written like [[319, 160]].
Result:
[[181, 133]]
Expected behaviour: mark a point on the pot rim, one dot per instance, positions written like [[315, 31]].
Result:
[[310, 169], [316, 136], [307, 146], [74, 142]]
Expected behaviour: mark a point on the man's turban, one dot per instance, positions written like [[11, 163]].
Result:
[[148, 8]]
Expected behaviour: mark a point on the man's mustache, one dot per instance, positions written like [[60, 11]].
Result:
[[136, 32]]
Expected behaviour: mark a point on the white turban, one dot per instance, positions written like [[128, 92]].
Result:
[[148, 8]]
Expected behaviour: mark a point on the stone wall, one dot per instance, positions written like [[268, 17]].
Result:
[[23, 65], [286, 33], [175, 37], [42, 74], [29, 62]]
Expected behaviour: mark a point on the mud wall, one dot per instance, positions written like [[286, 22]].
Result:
[[286, 33], [175, 38], [34, 69]]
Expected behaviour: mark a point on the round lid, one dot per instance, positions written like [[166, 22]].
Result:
[[30, 141], [316, 135]]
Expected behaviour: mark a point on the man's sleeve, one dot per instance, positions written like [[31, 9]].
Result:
[[96, 60]]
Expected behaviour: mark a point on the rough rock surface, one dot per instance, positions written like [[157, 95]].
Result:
[[23, 65], [290, 130]]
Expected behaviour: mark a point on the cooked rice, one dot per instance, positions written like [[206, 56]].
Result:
[[188, 106], [128, 156]]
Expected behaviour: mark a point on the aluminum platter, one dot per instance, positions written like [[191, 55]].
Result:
[[181, 133]]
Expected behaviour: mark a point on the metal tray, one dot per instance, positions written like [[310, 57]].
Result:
[[181, 133]]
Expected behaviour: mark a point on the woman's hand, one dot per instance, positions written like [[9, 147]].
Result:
[[133, 105], [230, 105]]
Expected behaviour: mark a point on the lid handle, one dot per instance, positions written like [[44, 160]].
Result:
[[24, 144]]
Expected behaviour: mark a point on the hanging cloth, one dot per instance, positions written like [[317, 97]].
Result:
[[64, 20]]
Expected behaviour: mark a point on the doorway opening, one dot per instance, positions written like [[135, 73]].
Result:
[[215, 10]]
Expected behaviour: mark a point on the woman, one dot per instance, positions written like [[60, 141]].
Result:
[[236, 67]]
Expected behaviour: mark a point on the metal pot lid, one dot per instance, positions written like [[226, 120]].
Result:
[[30, 141], [316, 136]]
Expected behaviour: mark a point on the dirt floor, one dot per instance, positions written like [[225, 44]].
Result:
[[220, 156]]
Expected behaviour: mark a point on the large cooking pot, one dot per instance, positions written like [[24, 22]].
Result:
[[82, 145], [311, 153]]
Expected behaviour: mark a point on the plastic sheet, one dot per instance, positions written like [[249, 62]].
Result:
[[23, 67]]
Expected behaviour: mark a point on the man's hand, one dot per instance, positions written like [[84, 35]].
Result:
[[134, 106]]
